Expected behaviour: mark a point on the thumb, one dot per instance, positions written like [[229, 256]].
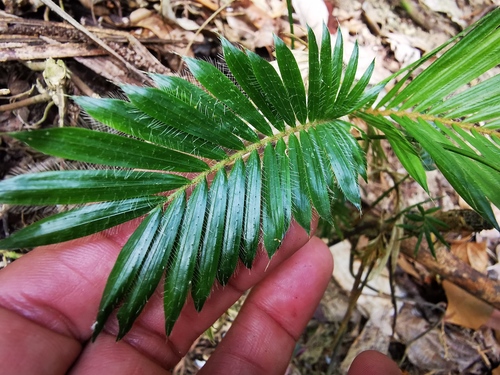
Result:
[[372, 362]]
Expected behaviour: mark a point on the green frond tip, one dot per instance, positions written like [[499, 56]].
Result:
[[152, 267], [292, 79], [80, 222], [97, 147], [124, 117], [181, 265], [127, 268]]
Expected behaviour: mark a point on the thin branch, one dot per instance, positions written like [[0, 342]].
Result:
[[207, 21], [356, 291], [65, 16], [417, 115], [451, 268], [41, 98]]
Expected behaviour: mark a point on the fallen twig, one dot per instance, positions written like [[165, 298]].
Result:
[[95, 39], [451, 268]]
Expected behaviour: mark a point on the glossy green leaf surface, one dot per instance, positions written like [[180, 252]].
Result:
[[292, 79], [126, 268], [224, 90], [108, 149], [448, 79], [208, 260], [125, 117], [79, 222], [210, 107], [486, 180], [314, 94], [284, 170], [328, 89], [318, 188], [182, 264], [273, 215], [337, 66], [475, 101], [355, 96], [230, 250], [273, 88], [153, 265], [452, 70], [301, 205], [338, 151], [355, 151], [458, 170], [175, 112], [323, 163], [402, 148], [241, 68], [251, 222], [348, 79], [478, 142], [76, 187], [472, 155]]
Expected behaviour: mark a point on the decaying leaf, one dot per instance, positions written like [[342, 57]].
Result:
[[463, 308], [313, 13]]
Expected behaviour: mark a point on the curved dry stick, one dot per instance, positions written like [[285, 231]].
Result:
[[451, 268], [65, 16]]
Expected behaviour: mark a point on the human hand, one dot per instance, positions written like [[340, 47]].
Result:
[[49, 300]]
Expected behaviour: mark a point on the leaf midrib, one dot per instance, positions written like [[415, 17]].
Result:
[[245, 153], [430, 118]]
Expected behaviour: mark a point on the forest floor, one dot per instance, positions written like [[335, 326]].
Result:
[[426, 324]]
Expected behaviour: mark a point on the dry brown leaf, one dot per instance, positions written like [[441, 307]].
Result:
[[270, 8], [478, 257], [494, 323], [149, 20], [209, 4], [445, 349], [240, 30], [472, 253], [463, 308], [408, 267], [403, 49], [448, 7], [313, 13], [459, 249]]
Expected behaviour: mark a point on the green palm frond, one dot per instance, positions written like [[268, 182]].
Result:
[[256, 154], [454, 121]]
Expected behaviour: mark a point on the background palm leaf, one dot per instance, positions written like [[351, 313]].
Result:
[[447, 114], [273, 152]]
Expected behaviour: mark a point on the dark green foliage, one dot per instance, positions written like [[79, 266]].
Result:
[[423, 225], [251, 222], [256, 154], [126, 269], [234, 222], [210, 251]]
